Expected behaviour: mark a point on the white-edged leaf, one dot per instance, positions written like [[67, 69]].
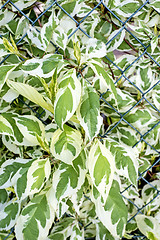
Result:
[[77, 233], [60, 38], [93, 48], [105, 80], [88, 112], [43, 67], [126, 160], [21, 27], [31, 93], [66, 144], [102, 232], [9, 214], [68, 179], [149, 226], [113, 212], [23, 129], [35, 38], [62, 229], [48, 28], [3, 50], [38, 173], [5, 126], [101, 166], [118, 37], [36, 218], [154, 43], [30, 127], [67, 97], [5, 71], [27, 176], [10, 171]]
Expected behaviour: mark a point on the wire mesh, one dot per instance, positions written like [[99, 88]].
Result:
[[122, 75]]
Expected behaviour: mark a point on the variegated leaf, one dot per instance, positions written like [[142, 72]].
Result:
[[141, 119], [36, 218], [60, 38], [31, 93], [9, 214], [23, 129], [113, 212], [93, 48], [126, 160], [10, 172], [5, 71], [21, 27], [67, 97], [48, 28], [149, 226], [101, 166], [105, 80], [68, 179], [43, 67], [77, 233], [62, 230], [27, 176], [102, 233], [88, 112], [37, 174], [149, 193], [66, 144], [118, 37], [35, 38]]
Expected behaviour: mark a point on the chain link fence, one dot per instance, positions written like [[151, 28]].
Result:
[[122, 76]]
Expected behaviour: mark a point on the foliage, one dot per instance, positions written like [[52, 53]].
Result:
[[67, 170]]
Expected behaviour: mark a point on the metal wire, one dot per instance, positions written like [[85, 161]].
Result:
[[121, 116]]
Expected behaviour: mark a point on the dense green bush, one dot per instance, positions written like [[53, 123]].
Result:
[[70, 120]]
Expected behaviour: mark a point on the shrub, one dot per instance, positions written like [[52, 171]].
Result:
[[79, 121]]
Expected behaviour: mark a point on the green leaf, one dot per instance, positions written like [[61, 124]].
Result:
[[100, 164], [88, 112], [31, 93], [67, 97], [66, 144], [3, 196], [36, 218], [53, 86], [149, 226]]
